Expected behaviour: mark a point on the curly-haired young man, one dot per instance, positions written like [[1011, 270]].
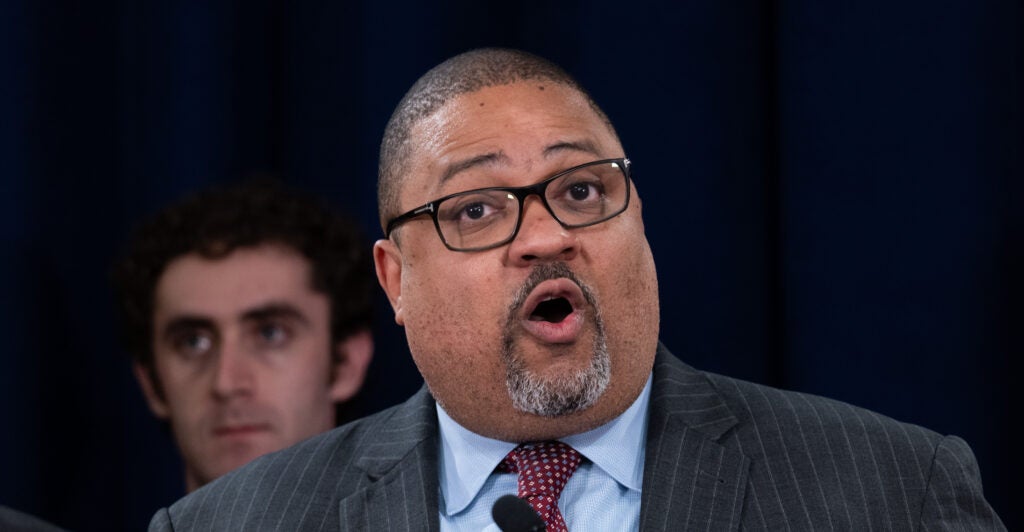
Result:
[[246, 311]]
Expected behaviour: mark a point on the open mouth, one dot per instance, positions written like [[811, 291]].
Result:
[[552, 310]]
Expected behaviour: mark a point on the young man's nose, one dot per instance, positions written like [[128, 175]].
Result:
[[233, 371]]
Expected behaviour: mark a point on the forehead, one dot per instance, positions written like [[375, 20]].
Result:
[[525, 126], [225, 287]]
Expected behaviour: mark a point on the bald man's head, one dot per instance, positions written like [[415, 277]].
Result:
[[462, 74]]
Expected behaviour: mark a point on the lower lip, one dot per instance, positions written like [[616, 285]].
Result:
[[564, 332], [240, 432]]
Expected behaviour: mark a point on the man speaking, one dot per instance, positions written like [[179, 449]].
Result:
[[515, 258]]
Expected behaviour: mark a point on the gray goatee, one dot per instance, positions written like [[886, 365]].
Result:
[[558, 395]]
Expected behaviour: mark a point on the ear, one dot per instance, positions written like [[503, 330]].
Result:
[[353, 357], [387, 258], [150, 389]]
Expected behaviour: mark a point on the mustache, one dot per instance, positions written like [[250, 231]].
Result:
[[545, 272]]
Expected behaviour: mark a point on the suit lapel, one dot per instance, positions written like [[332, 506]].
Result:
[[399, 473], [690, 480]]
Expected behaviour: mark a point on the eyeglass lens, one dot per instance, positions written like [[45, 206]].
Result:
[[586, 196]]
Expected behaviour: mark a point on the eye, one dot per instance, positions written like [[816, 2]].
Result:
[[193, 343], [473, 209], [272, 334], [582, 191]]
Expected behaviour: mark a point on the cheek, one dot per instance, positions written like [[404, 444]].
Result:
[[304, 404], [630, 302], [301, 373], [188, 408], [642, 275], [453, 317], [299, 397], [451, 298], [183, 389]]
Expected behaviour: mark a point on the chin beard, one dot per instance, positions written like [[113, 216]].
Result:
[[559, 395], [563, 394]]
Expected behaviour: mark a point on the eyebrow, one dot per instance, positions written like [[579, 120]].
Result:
[[487, 159], [499, 157], [181, 324], [275, 310], [584, 146]]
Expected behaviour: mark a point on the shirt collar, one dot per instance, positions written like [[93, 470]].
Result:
[[468, 459]]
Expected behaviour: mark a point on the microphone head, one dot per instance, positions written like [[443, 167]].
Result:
[[513, 514]]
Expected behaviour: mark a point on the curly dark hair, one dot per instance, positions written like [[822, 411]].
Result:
[[218, 220]]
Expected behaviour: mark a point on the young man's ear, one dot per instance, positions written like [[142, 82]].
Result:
[[350, 363], [387, 259], [151, 389]]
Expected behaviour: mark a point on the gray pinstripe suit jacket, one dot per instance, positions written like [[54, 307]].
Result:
[[722, 454]]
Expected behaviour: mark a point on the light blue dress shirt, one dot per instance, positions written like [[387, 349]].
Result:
[[603, 494]]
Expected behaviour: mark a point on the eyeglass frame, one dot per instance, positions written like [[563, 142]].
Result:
[[521, 193]]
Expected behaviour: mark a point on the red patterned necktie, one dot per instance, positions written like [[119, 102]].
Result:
[[543, 469]]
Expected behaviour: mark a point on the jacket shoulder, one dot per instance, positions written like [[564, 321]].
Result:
[[302, 483], [795, 418], [840, 465]]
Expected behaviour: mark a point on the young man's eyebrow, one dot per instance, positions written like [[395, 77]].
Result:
[[180, 324], [275, 310]]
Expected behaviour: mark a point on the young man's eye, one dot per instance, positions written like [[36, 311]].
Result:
[[193, 343], [272, 334]]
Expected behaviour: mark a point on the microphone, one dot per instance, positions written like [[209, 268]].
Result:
[[513, 514]]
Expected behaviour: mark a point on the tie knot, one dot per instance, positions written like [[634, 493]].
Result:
[[549, 459], [543, 469]]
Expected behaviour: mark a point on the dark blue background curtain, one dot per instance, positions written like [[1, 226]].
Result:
[[833, 193]]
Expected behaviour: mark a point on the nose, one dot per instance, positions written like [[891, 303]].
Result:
[[541, 238], [233, 376]]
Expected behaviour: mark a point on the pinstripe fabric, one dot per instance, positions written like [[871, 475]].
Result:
[[379, 473], [722, 454]]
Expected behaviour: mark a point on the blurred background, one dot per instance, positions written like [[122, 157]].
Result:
[[834, 193]]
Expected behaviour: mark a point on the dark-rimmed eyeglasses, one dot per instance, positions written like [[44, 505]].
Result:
[[486, 218]]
